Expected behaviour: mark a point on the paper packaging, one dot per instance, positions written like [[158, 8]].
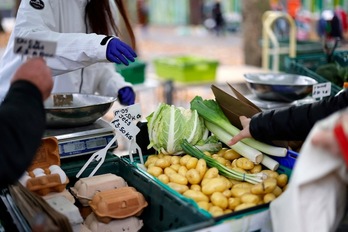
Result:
[[233, 107]]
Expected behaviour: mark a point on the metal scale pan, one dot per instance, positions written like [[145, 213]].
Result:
[[75, 120]]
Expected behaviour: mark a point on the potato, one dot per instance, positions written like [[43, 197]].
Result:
[[257, 168], [216, 211], [228, 183], [193, 176], [162, 163], [184, 159], [175, 159], [277, 191], [197, 196], [250, 198], [214, 185], [226, 211], [282, 180], [211, 173], [178, 187], [238, 192], [245, 163], [270, 173], [222, 151], [269, 197], [218, 199], [163, 178], [196, 187], [168, 171], [203, 205], [182, 170], [191, 163], [221, 160], [177, 178], [207, 153], [175, 167], [155, 171], [233, 202], [151, 160], [244, 206], [168, 158], [227, 193], [201, 167], [231, 154], [267, 186]]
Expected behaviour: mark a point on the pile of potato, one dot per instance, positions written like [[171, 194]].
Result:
[[211, 191]]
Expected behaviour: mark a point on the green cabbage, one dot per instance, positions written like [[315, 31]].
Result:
[[168, 125]]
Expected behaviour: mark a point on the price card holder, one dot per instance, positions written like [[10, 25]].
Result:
[[123, 123], [34, 48], [321, 90]]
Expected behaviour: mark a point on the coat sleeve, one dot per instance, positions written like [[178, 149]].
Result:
[[295, 122], [110, 80], [74, 50], [22, 124]]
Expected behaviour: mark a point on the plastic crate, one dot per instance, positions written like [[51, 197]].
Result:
[[134, 72], [341, 57], [307, 64], [186, 69], [166, 211]]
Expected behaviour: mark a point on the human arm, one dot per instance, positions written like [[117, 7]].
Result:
[[291, 123], [22, 119], [75, 48]]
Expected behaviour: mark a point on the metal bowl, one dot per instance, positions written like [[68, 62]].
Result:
[[279, 87], [65, 110]]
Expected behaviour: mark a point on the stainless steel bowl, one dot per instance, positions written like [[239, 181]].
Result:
[[279, 87], [73, 110]]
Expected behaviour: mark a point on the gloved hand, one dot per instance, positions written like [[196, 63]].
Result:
[[126, 96], [117, 51]]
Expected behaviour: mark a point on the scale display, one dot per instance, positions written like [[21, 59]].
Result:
[[82, 140]]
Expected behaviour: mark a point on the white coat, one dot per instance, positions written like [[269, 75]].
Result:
[[80, 60]]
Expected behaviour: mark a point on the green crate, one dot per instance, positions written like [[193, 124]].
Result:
[[307, 64], [341, 57], [186, 69], [134, 72], [164, 212]]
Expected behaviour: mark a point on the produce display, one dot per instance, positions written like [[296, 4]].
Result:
[[222, 180]]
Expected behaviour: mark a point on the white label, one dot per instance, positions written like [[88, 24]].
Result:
[[34, 48], [123, 121], [321, 90]]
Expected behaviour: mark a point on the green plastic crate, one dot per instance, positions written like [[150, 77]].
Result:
[[134, 72], [165, 211], [307, 64], [186, 69]]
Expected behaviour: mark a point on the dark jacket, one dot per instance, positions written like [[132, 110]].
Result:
[[22, 124], [295, 122]]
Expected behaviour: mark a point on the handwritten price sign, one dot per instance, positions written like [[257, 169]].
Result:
[[33, 47], [321, 90], [123, 121]]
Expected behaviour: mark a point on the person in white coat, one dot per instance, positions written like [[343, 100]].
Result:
[[87, 45]]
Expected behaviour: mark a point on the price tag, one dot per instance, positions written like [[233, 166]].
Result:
[[123, 121], [321, 90], [34, 48]]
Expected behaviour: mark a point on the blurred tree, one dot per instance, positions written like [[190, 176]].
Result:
[[252, 11]]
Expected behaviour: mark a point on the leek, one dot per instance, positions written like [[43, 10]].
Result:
[[211, 112], [243, 149], [223, 170]]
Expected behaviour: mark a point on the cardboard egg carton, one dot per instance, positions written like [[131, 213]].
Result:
[[117, 204], [126, 224], [47, 156], [85, 188]]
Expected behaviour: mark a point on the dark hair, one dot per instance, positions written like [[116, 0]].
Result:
[[100, 20]]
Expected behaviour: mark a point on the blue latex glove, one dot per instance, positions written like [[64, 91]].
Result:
[[118, 52], [126, 96]]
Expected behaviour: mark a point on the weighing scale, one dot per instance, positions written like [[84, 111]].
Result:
[[83, 140]]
